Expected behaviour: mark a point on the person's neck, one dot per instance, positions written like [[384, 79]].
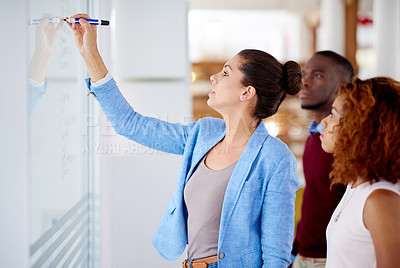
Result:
[[358, 182], [239, 130], [319, 115]]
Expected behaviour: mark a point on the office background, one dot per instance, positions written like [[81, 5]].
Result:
[[66, 155]]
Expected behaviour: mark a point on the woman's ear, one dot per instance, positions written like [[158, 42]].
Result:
[[248, 94]]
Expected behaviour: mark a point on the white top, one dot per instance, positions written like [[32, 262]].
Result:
[[349, 243]]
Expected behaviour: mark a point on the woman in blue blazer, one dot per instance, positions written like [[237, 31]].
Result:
[[256, 219]]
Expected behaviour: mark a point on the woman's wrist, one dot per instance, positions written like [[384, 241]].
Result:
[[95, 65]]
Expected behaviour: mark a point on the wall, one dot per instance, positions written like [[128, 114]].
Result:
[[13, 138]]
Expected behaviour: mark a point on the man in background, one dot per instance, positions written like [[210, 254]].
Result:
[[323, 74]]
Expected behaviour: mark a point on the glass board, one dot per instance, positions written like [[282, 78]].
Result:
[[59, 162]]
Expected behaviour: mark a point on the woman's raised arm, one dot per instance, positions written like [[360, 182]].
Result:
[[85, 36]]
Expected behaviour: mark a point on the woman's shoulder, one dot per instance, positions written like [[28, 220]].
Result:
[[211, 120], [383, 195], [382, 204], [377, 191], [382, 184], [210, 124], [277, 146], [275, 153]]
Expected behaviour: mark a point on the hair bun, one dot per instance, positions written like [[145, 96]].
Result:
[[291, 78]]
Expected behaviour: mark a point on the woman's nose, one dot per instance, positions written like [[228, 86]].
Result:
[[323, 122], [212, 78]]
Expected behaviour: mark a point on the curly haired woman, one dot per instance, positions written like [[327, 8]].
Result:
[[363, 133]]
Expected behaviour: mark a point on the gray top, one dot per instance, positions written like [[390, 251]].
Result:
[[204, 195]]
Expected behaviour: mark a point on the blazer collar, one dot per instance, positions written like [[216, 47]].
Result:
[[209, 141], [203, 147]]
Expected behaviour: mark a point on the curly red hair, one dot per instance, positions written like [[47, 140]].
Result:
[[368, 143]]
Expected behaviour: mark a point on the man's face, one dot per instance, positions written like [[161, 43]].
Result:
[[321, 82]]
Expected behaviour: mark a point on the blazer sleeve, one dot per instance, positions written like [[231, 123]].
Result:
[[148, 131], [277, 219]]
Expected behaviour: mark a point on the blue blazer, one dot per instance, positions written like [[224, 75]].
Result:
[[257, 220]]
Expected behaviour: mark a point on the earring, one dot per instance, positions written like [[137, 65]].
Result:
[[241, 97]]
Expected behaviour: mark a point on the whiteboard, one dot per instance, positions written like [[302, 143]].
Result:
[[59, 171]]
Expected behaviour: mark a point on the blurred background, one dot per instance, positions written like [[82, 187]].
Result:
[[72, 192]]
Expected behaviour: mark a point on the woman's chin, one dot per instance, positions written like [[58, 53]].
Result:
[[326, 148], [210, 103]]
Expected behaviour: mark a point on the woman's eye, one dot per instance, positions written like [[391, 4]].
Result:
[[225, 73], [318, 75], [332, 115]]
